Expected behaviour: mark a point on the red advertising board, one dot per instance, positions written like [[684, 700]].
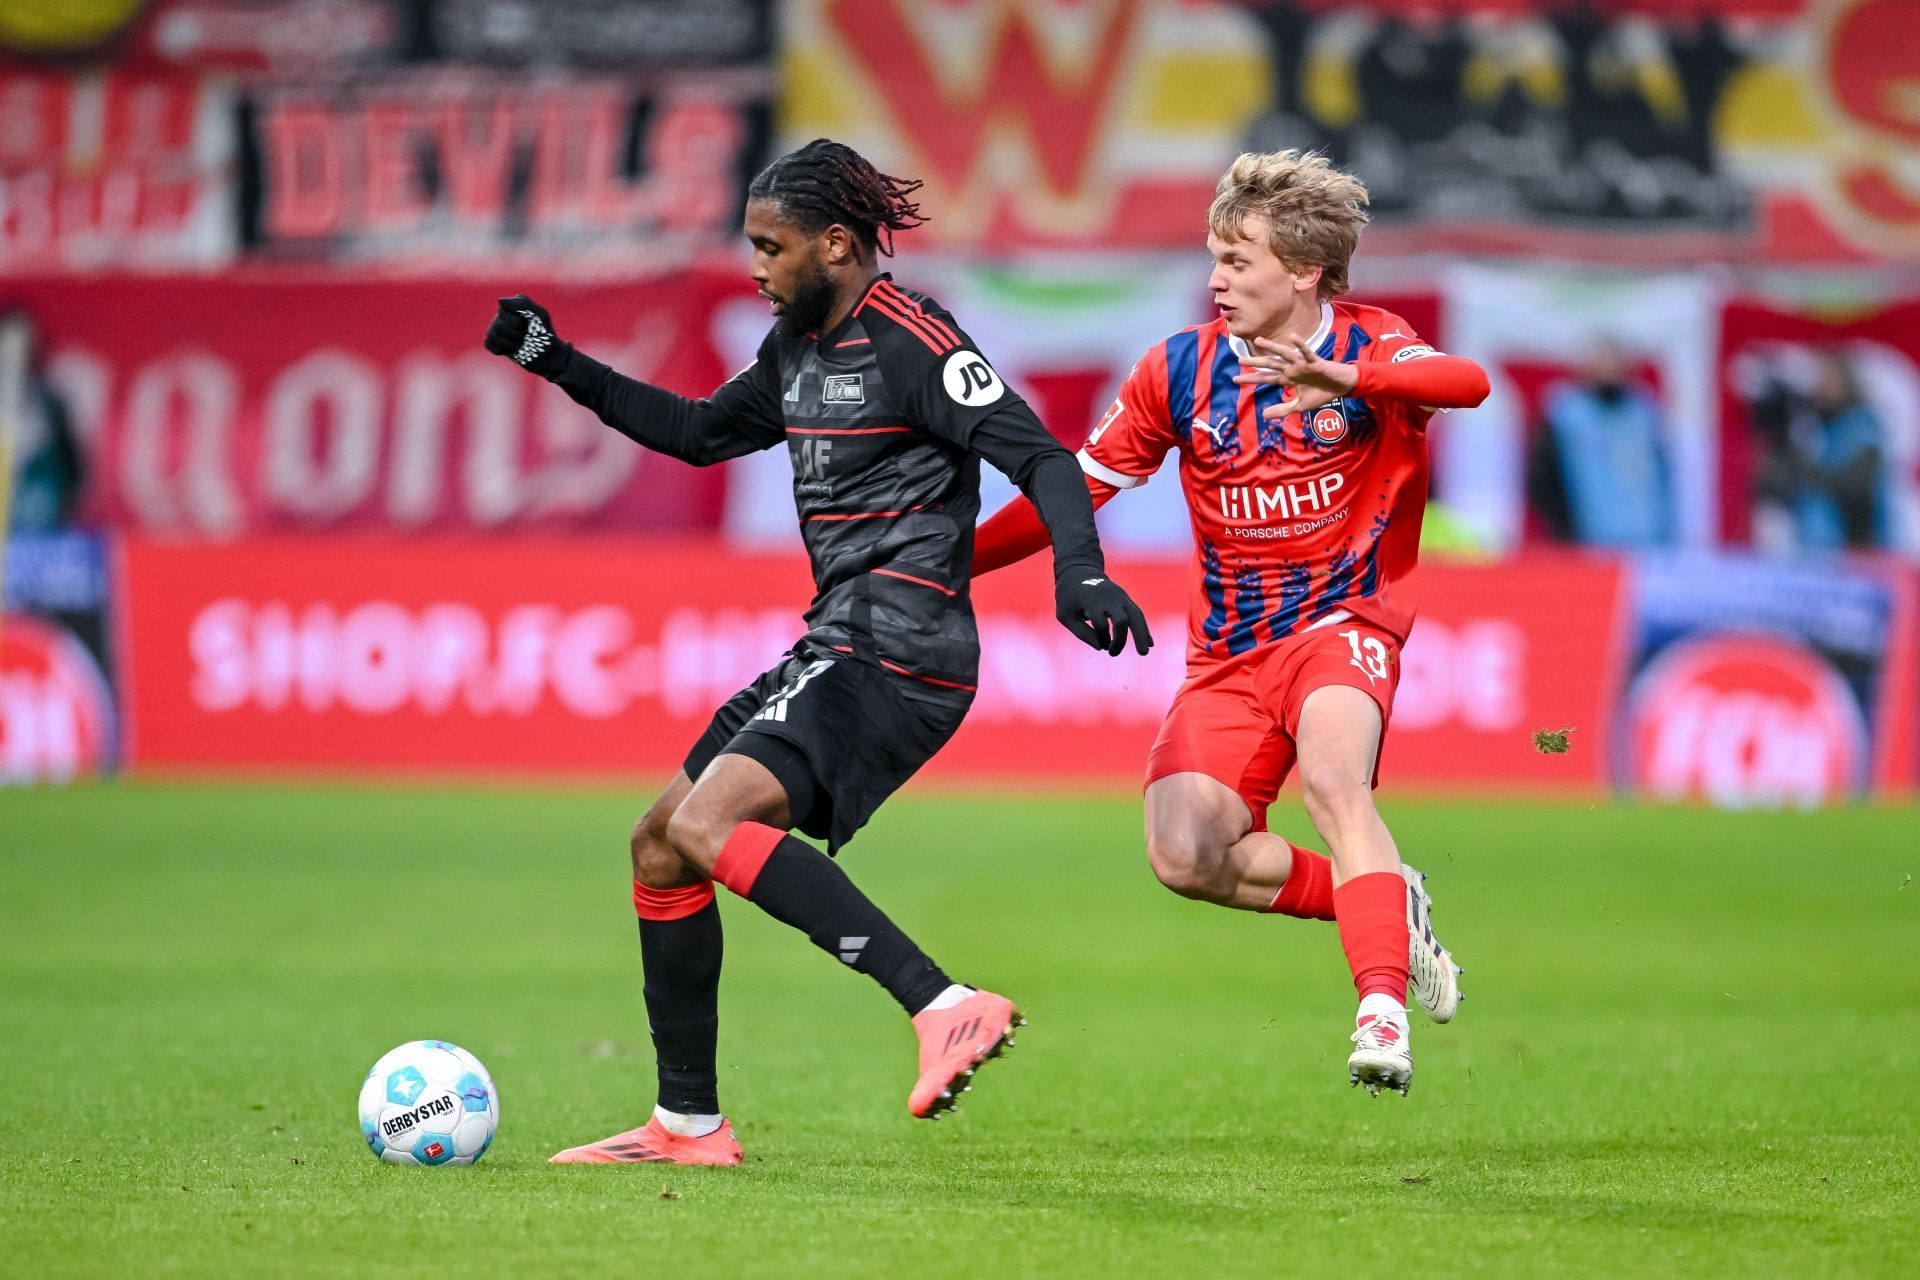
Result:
[[237, 405], [606, 657]]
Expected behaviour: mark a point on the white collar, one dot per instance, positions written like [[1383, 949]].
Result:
[[1243, 351]]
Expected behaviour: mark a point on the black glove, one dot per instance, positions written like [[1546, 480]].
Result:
[[1093, 607], [523, 332]]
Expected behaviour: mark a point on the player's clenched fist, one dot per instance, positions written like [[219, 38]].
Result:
[[523, 332], [1093, 607]]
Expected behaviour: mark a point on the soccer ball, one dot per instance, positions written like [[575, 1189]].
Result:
[[429, 1102]]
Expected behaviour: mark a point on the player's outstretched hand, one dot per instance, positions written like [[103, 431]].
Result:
[[523, 332], [1311, 382], [1093, 607]]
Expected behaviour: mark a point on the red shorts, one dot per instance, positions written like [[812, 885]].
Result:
[[1236, 722]]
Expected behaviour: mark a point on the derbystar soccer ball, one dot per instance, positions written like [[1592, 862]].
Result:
[[429, 1102]]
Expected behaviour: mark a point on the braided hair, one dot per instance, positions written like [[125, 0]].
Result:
[[826, 182]]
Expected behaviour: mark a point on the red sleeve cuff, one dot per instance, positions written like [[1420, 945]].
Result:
[[1432, 382]]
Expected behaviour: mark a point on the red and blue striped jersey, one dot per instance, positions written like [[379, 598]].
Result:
[[1296, 523]]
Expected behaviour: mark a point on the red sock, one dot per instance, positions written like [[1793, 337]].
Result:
[[1372, 911], [1308, 892]]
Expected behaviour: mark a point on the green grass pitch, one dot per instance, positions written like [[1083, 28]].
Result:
[[1689, 1049]]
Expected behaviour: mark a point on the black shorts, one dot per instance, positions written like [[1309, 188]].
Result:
[[837, 733]]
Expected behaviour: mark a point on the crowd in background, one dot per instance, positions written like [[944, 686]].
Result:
[[1599, 470]]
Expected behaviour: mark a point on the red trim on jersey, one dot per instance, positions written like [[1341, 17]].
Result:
[[907, 577], [845, 431], [900, 316], [852, 342], [745, 852], [945, 684], [862, 515], [670, 904], [911, 675], [940, 326]]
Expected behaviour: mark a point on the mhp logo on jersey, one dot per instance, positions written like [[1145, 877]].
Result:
[[843, 388], [1330, 425]]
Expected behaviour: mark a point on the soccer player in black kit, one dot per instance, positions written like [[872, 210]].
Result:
[[886, 409]]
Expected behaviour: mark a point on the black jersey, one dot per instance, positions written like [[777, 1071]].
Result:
[[885, 420]]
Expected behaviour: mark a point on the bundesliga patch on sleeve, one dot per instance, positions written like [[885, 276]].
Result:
[[970, 380], [1418, 351]]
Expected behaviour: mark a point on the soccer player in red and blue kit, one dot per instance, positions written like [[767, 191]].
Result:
[[1301, 424]]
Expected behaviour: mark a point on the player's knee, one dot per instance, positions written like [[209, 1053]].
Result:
[[697, 837], [649, 840], [1184, 863], [1335, 791], [655, 863]]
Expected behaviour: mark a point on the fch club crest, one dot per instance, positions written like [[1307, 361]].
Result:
[[1330, 425]]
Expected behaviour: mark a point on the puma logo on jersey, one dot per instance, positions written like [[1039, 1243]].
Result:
[[1218, 434]]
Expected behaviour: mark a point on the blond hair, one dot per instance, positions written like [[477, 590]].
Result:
[[1314, 212]]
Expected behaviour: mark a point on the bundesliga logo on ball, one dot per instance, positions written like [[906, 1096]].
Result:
[[428, 1102]]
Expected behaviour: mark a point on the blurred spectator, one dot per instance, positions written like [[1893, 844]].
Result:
[[1597, 472], [45, 458], [1819, 479]]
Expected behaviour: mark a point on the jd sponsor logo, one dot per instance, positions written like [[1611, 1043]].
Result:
[[1282, 501], [970, 380]]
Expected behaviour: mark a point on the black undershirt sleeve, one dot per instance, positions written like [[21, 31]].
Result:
[[1012, 439], [741, 417]]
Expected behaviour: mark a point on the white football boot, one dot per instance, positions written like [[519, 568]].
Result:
[[1382, 1055], [1433, 975]]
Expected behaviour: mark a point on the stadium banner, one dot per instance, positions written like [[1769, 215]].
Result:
[[115, 169], [370, 406], [58, 714], [1757, 131], [605, 657], [306, 36], [460, 169], [1761, 683]]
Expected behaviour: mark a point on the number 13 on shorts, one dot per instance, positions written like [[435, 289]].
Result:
[[1368, 654]]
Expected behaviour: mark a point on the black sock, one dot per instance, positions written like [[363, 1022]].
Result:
[[803, 887], [682, 962]]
